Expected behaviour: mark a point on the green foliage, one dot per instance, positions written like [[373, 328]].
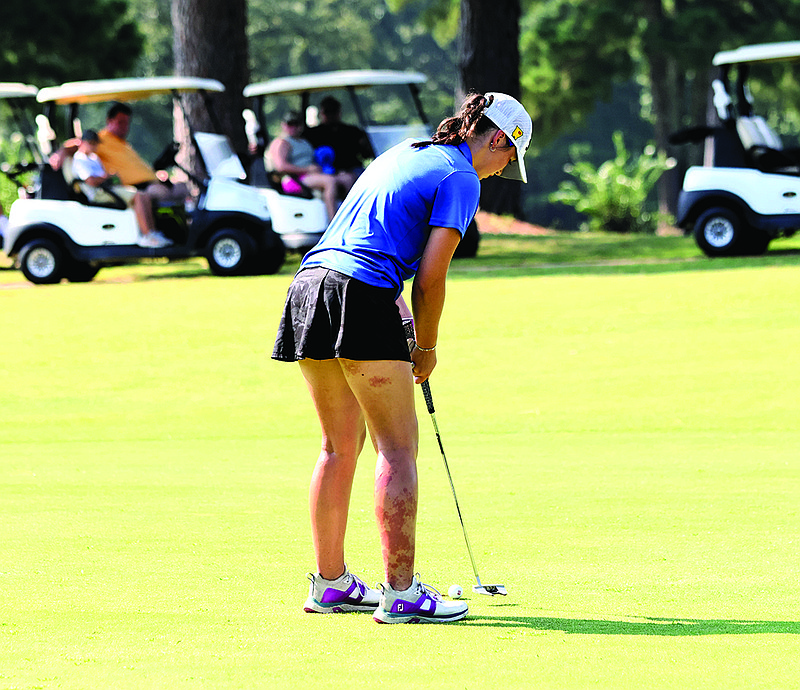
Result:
[[155, 22], [614, 195], [570, 56], [12, 151], [441, 17], [8, 193], [47, 43], [574, 50]]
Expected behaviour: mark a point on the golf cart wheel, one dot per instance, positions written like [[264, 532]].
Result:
[[80, 272], [42, 262], [230, 252], [720, 231]]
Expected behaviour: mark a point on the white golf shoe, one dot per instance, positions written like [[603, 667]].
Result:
[[419, 603], [346, 594]]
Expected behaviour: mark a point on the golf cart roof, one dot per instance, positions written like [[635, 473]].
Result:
[[17, 90], [131, 89], [762, 52], [323, 81]]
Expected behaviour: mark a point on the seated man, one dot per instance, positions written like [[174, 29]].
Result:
[[293, 157], [87, 167], [120, 159], [350, 144]]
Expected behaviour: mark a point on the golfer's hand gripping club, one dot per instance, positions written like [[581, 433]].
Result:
[[408, 326]]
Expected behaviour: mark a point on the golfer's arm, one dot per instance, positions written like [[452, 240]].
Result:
[[428, 289]]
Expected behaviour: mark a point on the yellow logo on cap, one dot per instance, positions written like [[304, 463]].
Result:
[[517, 133]]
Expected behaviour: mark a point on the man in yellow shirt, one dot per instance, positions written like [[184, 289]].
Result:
[[119, 158], [117, 155]]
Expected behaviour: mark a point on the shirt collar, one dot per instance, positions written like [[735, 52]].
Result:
[[464, 148]]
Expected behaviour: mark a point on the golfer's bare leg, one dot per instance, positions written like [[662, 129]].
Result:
[[343, 435], [385, 391]]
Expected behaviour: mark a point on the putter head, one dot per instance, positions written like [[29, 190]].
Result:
[[490, 590]]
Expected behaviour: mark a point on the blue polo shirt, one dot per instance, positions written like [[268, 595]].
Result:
[[380, 231]]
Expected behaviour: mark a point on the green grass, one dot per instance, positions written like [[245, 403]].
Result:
[[622, 435]]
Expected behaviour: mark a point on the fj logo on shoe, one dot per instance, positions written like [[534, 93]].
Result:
[[399, 608]]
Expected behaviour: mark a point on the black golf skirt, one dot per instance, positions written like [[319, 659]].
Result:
[[329, 315]]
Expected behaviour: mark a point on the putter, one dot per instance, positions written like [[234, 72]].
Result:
[[479, 588]]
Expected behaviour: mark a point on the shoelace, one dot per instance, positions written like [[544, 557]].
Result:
[[360, 584], [421, 588], [432, 592]]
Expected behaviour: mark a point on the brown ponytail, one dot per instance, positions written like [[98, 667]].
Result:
[[468, 121]]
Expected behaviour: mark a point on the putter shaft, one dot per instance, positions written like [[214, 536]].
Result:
[[482, 589], [408, 326]]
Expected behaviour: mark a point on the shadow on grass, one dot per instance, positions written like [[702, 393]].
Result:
[[667, 627]]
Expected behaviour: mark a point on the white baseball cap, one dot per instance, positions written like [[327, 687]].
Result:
[[509, 115]]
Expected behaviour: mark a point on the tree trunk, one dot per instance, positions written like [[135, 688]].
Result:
[[663, 87], [489, 61], [210, 41]]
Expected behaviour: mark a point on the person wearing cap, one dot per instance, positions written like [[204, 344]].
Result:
[[292, 157], [88, 168], [343, 321]]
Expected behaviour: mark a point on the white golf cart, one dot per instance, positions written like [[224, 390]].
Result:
[[57, 233], [748, 191], [300, 220]]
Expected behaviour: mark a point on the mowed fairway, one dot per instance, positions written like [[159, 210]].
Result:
[[625, 448]]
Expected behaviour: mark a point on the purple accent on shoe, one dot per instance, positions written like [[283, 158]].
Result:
[[425, 604], [337, 596]]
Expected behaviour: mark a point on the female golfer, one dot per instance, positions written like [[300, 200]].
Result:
[[343, 321]]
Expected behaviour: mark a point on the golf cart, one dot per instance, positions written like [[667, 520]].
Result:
[[55, 232], [301, 220], [748, 192]]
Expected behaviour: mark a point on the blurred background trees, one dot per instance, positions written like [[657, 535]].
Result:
[[584, 68]]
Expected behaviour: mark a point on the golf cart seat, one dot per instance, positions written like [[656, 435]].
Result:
[[52, 185], [764, 148]]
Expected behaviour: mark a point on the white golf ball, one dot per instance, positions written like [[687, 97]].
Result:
[[455, 591]]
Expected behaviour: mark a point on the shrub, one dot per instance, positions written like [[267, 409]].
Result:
[[614, 195]]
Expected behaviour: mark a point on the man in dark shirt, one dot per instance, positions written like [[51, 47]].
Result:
[[350, 144]]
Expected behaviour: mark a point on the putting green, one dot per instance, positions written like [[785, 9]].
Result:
[[624, 447]]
